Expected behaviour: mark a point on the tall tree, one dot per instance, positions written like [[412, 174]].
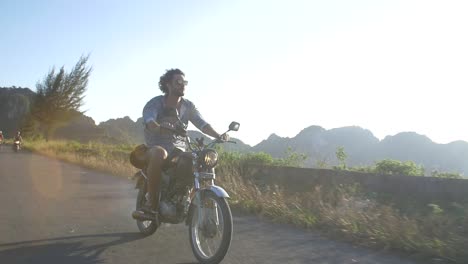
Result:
[[341, 156], [60, 96]]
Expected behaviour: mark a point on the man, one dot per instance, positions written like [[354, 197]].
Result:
[[161, 141], [19, 138], [1, 138]]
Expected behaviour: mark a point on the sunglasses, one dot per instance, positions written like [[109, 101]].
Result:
[[180, 81]]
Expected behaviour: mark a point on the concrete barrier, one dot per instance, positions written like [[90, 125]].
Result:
[[305, 179]]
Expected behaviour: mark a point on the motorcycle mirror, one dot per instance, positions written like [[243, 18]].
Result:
[[234, 126]]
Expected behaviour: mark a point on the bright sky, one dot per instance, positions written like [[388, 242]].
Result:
[[274, 66]]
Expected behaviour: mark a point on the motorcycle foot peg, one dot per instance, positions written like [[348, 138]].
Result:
[[139, 215]]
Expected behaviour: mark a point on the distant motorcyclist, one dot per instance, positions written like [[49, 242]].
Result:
[[19, 138]]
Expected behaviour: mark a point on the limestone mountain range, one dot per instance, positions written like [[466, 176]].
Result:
[[319, 144]]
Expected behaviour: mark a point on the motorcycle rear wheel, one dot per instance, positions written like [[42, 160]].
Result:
[[201, 236], [146, 227]]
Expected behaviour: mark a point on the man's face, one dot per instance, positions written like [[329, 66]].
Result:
[[177, 85]]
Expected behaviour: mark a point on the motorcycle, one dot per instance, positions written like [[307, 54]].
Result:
[[189, 194], [16, 145]]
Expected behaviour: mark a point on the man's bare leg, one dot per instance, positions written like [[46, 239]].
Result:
[[157, 155]]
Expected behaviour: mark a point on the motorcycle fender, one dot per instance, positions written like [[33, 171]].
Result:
[[218, 191]]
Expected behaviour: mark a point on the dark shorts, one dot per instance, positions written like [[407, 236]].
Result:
[[139, 157]]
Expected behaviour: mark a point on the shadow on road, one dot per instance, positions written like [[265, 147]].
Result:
[[72, 249]]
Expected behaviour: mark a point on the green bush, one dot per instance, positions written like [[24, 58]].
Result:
[[448, 175], [409, 168]]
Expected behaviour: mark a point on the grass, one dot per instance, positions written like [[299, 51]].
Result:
[[102, 157], [346, 213], [342, 212]]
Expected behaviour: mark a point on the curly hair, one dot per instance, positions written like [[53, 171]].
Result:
[[167, 77]]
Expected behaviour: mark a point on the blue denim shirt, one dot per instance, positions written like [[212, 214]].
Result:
[[153, 112]]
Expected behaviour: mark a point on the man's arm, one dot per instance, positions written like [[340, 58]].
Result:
[[150, 112], [197, 119], [210, 131]]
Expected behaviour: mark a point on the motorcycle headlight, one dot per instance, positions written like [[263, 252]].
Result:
[[208, 158]]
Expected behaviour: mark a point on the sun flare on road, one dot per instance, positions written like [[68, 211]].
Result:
[[47, 180]]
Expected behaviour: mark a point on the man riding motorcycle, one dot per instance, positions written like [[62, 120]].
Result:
[[18, 138], [160, 141]]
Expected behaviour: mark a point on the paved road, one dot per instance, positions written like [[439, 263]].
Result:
[[54, 212]]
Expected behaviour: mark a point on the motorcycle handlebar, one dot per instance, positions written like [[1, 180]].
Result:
[[228, 141], [182, 132]]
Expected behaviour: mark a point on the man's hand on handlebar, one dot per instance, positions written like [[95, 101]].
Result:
[[224, 137]]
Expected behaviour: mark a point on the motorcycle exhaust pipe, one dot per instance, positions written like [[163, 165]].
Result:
[[138, 215]]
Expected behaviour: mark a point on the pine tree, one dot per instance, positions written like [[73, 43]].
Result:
[[60, 96]]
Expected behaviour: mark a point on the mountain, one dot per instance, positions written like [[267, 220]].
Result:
[[275, 145], [82, 129], [124, 129], [422, 150], [14, 104], [363, 148], [320, 144]]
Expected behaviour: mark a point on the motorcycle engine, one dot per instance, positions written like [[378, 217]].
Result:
[[173, 210], [167, 209]]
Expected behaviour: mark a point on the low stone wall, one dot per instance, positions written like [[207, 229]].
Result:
[[305, 179]]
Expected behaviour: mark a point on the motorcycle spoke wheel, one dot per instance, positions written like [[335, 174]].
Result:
[[211, 238], [146, 224], [146, 227]]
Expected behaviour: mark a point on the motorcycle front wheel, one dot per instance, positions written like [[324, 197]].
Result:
[[210, 236], [146, 227]]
